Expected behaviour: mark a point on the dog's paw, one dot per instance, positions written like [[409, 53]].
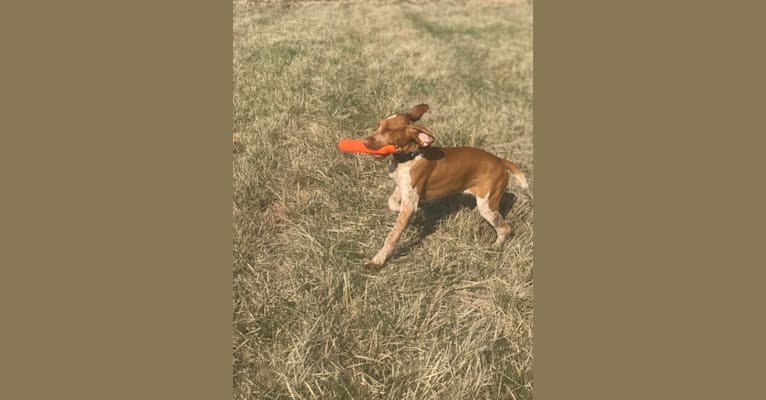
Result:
[[371, 266], [499, 242]]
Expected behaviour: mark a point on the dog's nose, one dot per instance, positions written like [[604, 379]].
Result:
[[369, 143]]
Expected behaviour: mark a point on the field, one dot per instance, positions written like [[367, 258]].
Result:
[[449, 316]]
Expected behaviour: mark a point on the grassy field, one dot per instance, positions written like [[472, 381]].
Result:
[[449, 317]]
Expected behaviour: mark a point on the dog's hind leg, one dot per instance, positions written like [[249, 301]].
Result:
[[489, 208]]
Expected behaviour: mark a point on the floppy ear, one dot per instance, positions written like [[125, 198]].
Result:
[[417, 112], [421, 135]]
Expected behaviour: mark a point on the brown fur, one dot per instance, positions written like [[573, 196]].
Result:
[[438, 172]]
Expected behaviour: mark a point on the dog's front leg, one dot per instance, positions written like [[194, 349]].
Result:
[[395, 201], [409, 204]]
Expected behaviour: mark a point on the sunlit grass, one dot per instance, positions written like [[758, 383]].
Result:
[[449, 317]]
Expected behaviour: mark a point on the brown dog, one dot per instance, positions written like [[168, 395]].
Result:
[[425, 172]]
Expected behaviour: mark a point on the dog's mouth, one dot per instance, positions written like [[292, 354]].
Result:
[[379, 156]]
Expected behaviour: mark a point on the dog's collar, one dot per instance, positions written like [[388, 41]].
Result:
[[404, 157], [401, 157]]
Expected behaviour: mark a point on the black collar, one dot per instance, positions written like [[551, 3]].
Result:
[[400, 157], [404, 157]]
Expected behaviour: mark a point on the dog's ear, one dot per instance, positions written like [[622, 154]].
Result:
[[421, 135], [417, 112]]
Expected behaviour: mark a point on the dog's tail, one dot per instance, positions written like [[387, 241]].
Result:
[[520, 178]]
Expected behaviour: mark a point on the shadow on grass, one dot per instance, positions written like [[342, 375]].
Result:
[[435, 211]]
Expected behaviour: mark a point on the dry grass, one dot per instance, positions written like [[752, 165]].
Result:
[[449, 317]]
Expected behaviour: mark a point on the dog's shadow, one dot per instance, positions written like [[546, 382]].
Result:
[[433, 212]]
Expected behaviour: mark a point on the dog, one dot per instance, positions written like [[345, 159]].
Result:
[[423, 172]]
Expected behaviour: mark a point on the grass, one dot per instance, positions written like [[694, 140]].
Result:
[[449, 317]]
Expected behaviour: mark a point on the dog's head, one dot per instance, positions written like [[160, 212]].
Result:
[[400, 131]]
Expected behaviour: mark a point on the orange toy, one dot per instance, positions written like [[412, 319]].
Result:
[[357, 146]]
